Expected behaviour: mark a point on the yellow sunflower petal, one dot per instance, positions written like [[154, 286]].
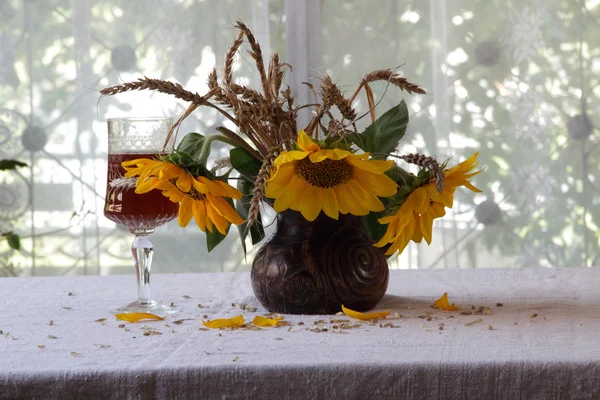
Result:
[[185, 212], [380, 185], [372, 166], [295, 191], [417, 235], [147, 185], [426, 227], [331, 154], [305, 143], [221, 223], [290, 156], [199, 212], [364, 316], [330, 203], [184, 182], [225, 322], [347, 203], [135, 317], [443, 304], [224, 209], [228, 190], [263, 322], [278, 184], [311, 202], [365, 199]]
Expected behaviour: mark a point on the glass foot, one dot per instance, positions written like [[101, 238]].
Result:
[[149, 306]]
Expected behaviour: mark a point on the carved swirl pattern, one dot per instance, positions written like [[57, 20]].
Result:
[[315, 267]]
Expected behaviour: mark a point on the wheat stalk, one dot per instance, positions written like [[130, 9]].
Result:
[[258, 193], [429, 163]]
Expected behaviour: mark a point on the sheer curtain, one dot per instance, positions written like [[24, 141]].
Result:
[[516, 81]]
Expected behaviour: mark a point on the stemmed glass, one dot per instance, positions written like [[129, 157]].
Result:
[[128, 139]]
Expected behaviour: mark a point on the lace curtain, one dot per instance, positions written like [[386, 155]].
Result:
[[516, 81]]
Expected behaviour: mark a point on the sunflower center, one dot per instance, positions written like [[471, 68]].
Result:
[[193, 193], [325, 174]]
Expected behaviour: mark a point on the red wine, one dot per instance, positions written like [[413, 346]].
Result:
[[135, 211]]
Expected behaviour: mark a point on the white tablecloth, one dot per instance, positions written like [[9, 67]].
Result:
[[542, 341]]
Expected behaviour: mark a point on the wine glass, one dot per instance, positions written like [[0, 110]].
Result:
[[129, 139]]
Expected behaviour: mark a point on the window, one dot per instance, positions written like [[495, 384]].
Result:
[[517, 82]]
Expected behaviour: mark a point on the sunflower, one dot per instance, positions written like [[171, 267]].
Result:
[[414, 218], [198, 197], [312, 179]]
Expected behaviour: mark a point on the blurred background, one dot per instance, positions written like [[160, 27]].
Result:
[[518, 81]]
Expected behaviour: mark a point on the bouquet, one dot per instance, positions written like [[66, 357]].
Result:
[[325, 167]]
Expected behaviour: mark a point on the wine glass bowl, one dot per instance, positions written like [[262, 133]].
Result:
[[141, 214]]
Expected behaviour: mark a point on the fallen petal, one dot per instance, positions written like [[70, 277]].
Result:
[[225, 322], [136, 317], [262, 321], [364, 316], [443, 304]]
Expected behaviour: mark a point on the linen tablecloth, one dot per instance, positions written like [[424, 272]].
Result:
[[520, 334]]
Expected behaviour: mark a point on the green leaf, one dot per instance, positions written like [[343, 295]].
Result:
[[14, 241], [245, 163], [384, 134], [191, 144], [10, 164], [214, 238], [375, 230]]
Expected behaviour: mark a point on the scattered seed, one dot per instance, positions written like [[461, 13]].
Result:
[[278, 338], [51, 322], [173, 304], [338, 321], [100, 320], [466, 312], [70, 294], [441, 328], [75, 354], [122, 326], [149, 333], [491, 328], [179, 321], [67, 308], [499, 304], [203, 329], [515, 323], [319, 322], [236, 359], [101, 346], [300, 323], [474, 322], [290, 329], [41, 346], [52, 337], [185, 296], [205, 316], [533, 315], [251, 309], [201, 306]]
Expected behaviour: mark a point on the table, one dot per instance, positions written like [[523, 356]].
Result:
[[533, 333]]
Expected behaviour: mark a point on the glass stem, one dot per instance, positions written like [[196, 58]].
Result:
[[142, 251]]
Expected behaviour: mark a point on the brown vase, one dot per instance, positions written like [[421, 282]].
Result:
[[315, 267]]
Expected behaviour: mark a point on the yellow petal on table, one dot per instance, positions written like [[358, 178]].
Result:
[[443, 304], [135, 317], [225, 322], [262, 321], [364, 316]]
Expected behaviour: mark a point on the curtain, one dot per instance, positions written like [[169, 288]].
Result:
[[516, 81]]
